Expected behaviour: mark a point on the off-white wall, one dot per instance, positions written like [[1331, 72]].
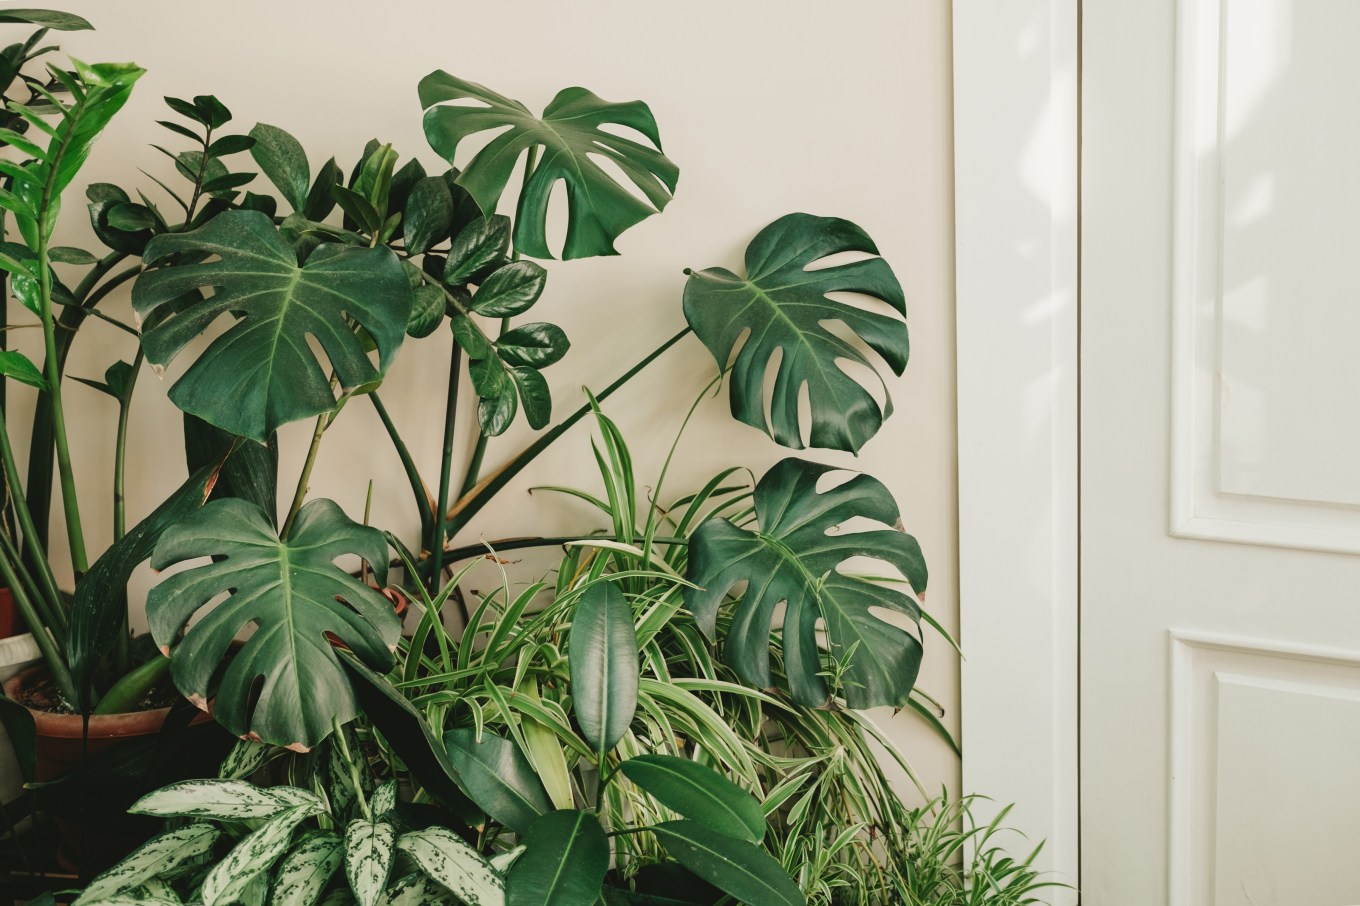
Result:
[[767, 108]]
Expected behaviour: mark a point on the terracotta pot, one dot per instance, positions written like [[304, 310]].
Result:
[[11, 621], [61, 745]]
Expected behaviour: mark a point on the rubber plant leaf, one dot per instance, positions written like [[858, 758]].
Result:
[[603, 654], [568, 136], [261, 373], [564, 862], [297, 598], [740, 869], [795, 558], [783, 310]]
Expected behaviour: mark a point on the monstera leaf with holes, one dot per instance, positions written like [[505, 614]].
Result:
[[261, 373], [569, 135], [796, 558], [783, 303], [297, 599]]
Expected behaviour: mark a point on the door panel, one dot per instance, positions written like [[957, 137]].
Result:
[[1220, 477]]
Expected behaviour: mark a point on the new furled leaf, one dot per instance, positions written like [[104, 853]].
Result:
[[782, 307], [297, 597], [261, 373], [568, 136], [794, 559]]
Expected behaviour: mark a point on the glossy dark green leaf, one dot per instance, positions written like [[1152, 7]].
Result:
[[319, 201], [510, 290], [429, 214], [782, 308], [496, 390], [118, 376], [698, 792], [46, 18], [295, 595], [195, 164], [534, 396], [404, 180], [564, 863], [187, 109], [481, 243], [214, 113], [104, 198], [374, 182], [738, 868], [227, 182], [66, 254], [536, 345], [231, 144], [181, 130], [569, 136], [497, 776], [267, 205], [16, 365], [794, 558], [358, 208], [602, 650], [262, 373], [472, 340], [250, 472], [283, 161], [427, 311], [131, 217]]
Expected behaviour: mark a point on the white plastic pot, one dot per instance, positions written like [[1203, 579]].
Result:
[[16, 653]]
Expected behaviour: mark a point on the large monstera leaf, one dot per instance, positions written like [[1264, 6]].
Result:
[[261, 373], [794, 558], [568, 135], [784, 305], [296, 597]]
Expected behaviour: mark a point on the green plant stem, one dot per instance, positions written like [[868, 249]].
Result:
[[32, 545], [54, 620], [75, 533], [455, 554], [471, 503], [424, 506], [56, 665], [300, 494], [445, 466], [474, 468]]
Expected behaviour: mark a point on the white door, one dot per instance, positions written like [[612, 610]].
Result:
[[1220, 452]]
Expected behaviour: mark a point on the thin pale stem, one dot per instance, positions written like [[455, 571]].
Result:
[[300, 495]]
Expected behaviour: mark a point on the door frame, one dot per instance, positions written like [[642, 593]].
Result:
[[1016, 154]]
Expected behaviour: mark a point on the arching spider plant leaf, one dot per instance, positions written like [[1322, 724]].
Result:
[[568, 136], [298, 599], [261, 373], [794, 558], [784, 307]]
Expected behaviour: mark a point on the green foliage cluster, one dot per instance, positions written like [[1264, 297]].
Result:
[[634, 728]]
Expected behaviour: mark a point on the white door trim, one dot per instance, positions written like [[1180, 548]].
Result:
[[1016, 233]]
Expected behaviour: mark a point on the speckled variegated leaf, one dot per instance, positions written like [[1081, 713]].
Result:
[[223, 800], [306, 870], [158, 855], [444, 856], [384, 798], [368, 858], [256, 853], [502, 861], [132, 899], [244, 759], [416, 890]]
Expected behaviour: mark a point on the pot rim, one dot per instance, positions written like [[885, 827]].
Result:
[[72, 726]]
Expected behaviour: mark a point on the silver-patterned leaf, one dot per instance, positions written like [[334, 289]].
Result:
[[339, 781], [223, 800], [416, 890], [384, 798], [300, 798], [502, 861], [368, 858], [244, 759], [133, 899], [156, 889], [444, 856], [254, 854], [338, 897], [256, 892], [155, 857], [305, 871]]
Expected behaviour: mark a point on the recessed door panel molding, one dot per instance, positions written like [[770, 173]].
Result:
[[1265, 433], [1258, 729]]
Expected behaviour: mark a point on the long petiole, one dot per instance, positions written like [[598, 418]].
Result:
[[30, 535], [445, 467], [424, 503]]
